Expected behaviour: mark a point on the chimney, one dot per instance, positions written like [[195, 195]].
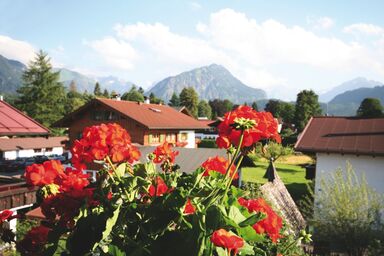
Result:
[[147, 100]]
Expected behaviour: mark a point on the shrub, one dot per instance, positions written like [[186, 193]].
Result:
[[347, 212], [207, 143]]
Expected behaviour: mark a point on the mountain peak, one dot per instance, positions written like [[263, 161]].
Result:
[[210, 82]]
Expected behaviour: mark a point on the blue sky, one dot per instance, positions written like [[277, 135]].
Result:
[[280, 46]]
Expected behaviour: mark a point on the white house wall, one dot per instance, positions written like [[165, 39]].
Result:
[[12, 155], [191, 142], [372, 167]]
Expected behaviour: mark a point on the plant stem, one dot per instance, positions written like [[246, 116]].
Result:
[[117, 176]]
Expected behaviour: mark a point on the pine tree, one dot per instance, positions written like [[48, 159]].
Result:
[[174, 101], [106, 93], [42, 96], [307, 105], [254, 106], [189, 99], [97, 90], [204, 110]]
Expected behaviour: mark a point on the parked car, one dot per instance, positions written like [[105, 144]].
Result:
[[40, 159], [61, 158]]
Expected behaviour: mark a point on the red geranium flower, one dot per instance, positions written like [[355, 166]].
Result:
[[265, 127], [164, 153], [225, 239], [218, 164], [4, 215], [74, 180], [44, 174], [34, 241], [104, 140], [158, 188], [189, 208], [271, 225]]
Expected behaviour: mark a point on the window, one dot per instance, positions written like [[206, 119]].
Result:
[[48, 149], [97, 115], [155, 138], [183, 136], [37, 150], [109, 115], [170, 137]]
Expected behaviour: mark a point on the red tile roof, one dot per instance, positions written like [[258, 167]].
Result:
[[14, 122], [153, 116], [31, 143], [347, 135]]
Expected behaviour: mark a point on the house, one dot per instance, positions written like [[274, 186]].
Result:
[[336, 140], [12, 148], [148, 124], [15, 123]]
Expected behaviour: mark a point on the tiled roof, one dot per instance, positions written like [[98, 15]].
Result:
[[189, 159], [31, 143], [347, 135], [153, 116], [14, 122]]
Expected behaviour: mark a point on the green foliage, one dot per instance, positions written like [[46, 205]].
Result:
[[204, 110], [347, 212], [189, 99], [106, 93], [174, 101], [272, 150], [154, 100], [370, 107], [281, 109], [97, 90], [42, 96], [207, 143], [220, 107], [133, 95], [254, 106], [307, 105]]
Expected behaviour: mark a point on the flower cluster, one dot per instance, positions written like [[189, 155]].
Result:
[[189, 208], [218, 164], [271, 225], [158, 187], [255, 126], [165, 156], [34, 241], [225, 239], [5, 215], [101, 141]]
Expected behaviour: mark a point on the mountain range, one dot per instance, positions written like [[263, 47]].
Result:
[[210, 82]]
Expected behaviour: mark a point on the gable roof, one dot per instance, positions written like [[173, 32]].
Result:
[[32, 143], [14, 122], [152, 116], [346, 135]]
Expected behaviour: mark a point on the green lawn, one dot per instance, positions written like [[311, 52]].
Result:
[[293, 177]]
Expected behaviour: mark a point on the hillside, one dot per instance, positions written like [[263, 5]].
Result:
[[210, 82], [10, 75]]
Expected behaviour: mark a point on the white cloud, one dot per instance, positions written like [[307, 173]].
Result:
[[195, 5], [363, 28], [117, 53], [255, 52], [320, 22], [16, 49]]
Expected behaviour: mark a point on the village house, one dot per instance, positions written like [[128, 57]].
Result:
[[338, 140], [148, 124]]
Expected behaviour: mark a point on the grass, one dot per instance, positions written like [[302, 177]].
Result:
[[292, 175]]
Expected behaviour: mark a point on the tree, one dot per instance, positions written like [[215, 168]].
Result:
[[141, 90], [106, 93], [220, 107], [42, 96], [370, 107], [273, 106], [254, 106], [189, 99], [133, 95], [307, 105], [74, 99], [204, 110], [174, 101], [287, 112], [97, 90], [153, 99]]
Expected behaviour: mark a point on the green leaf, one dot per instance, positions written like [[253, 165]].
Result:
[[109, 225], [247, 249], [150, 167], [221, 252], [252, 219], [249, 234], [120, 170], [115, 251], [235, 214]]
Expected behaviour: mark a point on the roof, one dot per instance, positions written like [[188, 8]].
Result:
[[187, 163], [152, 116], [31, 143], [14, 122], [346, 135]]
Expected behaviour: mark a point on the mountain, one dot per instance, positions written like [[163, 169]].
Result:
[[358, 82], [10, 74], [347, 103], [82, 82], [210, 82], [112, 83]]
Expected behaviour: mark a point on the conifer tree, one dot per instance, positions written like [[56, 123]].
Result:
[[189, 99], [106, 93], [307, 105], [204, 110], [42, 96], [97, 90], [174, 101]]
